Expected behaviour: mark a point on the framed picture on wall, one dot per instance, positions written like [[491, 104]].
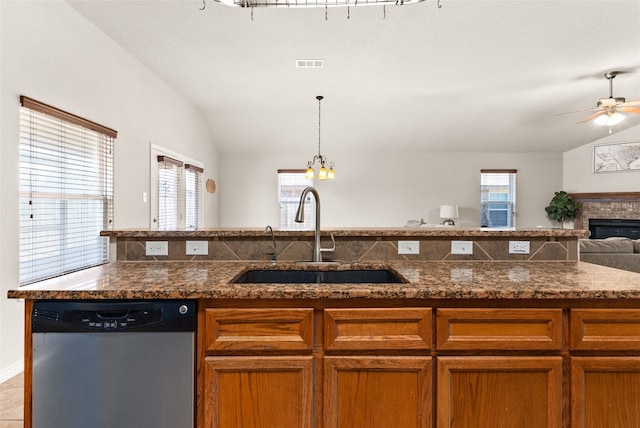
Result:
[[616, 157]]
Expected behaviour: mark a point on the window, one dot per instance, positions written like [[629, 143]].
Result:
[[291, 183], [498, 198], [66, 191], [192, 196], [176, 191], [169, 193]]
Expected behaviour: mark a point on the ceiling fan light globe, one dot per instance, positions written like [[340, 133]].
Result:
[[610, 119]]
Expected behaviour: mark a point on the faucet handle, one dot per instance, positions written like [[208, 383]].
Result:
[[332, 249]]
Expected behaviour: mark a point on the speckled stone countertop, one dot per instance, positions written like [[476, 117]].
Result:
[[425, 280], [437, 231]]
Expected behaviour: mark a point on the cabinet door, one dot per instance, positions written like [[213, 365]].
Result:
[[499, 392], [258, 392], [605, 392], [377, 392]]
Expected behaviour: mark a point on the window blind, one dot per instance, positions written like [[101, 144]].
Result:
[[193, 192], [498, 197], [291, 183], [66, 191], [169, 193]]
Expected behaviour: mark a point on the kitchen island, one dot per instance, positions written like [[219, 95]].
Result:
[[456, 344]]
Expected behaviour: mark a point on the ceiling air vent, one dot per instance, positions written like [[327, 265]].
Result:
[[309, 63]]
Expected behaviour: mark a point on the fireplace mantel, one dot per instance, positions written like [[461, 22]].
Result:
[[606, 205], [606, 196]]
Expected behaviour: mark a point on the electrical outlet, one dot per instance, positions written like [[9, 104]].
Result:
[[157, 248], [408, 247], [462, 247], [197, 248], [518, 247]]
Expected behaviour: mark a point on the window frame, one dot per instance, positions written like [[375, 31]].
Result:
[[154, 177], [294, 201], [59, 154], [509, 189]]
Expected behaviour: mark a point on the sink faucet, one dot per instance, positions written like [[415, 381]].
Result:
[[317, 249], [274, 255]]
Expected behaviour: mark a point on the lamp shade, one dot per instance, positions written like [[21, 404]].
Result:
[[448, 211]]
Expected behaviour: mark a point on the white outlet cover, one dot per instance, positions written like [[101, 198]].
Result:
[[157, 248], [519, 247], [462, 247], [197, 248], [408, 247]]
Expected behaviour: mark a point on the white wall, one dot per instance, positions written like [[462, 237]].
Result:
[[51, 53], [578, 176], [387, 189]]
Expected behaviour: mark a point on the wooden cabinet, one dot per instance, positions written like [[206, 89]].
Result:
[[377, 392], [258, 368], [494, 329], [381, 389], [418, 367], [605, 368], [258, 392], [499, 389], [605, 392]]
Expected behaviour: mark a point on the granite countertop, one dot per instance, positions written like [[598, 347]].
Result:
[[351, 232], [425, 280]]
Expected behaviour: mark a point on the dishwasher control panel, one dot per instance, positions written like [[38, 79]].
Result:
[[108, 316]]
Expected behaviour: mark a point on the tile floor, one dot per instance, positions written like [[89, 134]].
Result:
[[11, 393]]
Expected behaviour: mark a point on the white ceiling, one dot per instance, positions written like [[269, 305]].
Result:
[[475, 76]]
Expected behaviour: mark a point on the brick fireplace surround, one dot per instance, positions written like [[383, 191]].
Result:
[[616, 205]]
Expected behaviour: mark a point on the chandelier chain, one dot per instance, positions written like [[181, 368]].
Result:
[[319, 121]]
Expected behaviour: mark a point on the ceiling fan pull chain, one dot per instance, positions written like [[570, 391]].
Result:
[[439, 5], [384, 11], [348, 12]]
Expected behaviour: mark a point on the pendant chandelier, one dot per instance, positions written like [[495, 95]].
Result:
[[323, 173]]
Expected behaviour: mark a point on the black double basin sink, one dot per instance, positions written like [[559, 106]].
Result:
[[349, 276]]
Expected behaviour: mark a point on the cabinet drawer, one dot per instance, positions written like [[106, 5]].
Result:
[[499, 329], [605, 330], [377, 329], [258, 330]]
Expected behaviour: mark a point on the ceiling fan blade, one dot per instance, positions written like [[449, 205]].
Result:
[[628, 109], [593, 116], [578, 111], [631, 103]]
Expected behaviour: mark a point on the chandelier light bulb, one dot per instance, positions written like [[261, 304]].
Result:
[[310, 175], [322, 174]]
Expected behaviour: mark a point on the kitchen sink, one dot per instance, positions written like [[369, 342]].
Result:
[[351, 276]]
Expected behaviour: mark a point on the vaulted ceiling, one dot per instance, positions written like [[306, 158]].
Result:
[[473, 76]]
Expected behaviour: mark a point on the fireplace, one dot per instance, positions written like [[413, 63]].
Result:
[[605, 228], [607, 207]]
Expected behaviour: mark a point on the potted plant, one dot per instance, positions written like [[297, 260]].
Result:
[[562, 207]]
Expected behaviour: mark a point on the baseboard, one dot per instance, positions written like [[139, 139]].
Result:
[[9, 372]]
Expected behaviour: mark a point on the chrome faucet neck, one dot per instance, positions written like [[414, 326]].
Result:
[[317, 249]]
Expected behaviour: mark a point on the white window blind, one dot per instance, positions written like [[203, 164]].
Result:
[[193, 190], [169, 193], [291, 183], [66, 191], [498, 198]]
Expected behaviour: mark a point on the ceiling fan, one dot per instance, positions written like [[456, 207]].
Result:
[[609, 110]]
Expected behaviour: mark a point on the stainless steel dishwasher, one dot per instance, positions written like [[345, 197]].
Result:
[[113, 364]]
